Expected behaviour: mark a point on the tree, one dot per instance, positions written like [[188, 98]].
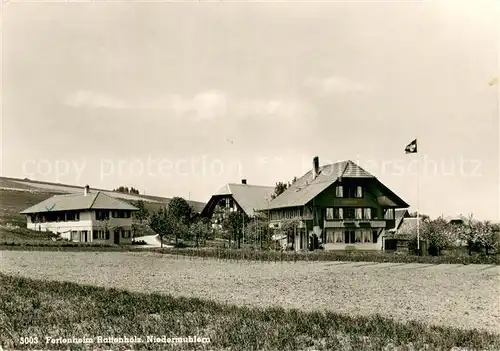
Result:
[[218, 218], [289, 227], [181, 214], [438, 233], [126, 190], [143, 212], [199, 231], [233, 223], [480, 235], [281, 187], [257, 230], [162, 223], [180, 210]]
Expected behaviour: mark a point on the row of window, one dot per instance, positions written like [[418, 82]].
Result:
[[55, 217], [98, 235], [227, 203], [351, 236], [102, 215], [349, 191], [285, 214], [349, 213], [69, 216], [104, 234]]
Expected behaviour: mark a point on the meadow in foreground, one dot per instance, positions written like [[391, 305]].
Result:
[[53, 309]]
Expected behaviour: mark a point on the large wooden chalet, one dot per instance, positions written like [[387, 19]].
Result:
[[341, 203]]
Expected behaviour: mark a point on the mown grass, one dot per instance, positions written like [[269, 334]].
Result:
[[52, 309], [320, 255]]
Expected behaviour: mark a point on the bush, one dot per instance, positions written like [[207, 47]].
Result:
[[139, 242], [181, 245]]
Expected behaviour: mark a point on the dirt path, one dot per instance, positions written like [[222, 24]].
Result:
[[454, 295]]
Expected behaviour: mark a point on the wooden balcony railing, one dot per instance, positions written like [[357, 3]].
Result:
[[358, 223]]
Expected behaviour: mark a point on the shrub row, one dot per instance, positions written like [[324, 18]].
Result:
[[265, 256], [357, 256]]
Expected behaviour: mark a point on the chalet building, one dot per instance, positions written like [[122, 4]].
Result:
[[85, 217], [242, 198], [341, 203]]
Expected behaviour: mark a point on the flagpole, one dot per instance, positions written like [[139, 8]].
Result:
[[418, 199]]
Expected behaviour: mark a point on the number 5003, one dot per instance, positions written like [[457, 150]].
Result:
[[28, 340]]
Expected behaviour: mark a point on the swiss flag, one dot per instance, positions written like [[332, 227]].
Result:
[[411, 148]]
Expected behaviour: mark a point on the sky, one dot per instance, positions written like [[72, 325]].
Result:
[[180, 98]]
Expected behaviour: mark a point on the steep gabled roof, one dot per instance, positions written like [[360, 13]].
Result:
[[306, 188], [70, 202], [408, 226], [400, 215], [248, 197]]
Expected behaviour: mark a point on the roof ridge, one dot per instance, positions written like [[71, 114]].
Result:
[[253, 185]]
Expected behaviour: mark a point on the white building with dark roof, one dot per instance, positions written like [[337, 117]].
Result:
[[85, 217]]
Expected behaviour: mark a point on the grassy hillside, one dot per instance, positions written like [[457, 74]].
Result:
[[15, 183], [14, 201]]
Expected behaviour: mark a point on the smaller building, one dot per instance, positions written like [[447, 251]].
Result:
[[241, 198], [85, 217], [404, 230]]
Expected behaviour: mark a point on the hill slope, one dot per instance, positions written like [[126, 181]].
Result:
[[49, 189]]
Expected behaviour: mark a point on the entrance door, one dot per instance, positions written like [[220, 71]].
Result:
[[83, 236], [117, 237]]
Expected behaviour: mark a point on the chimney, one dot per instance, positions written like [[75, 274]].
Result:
[[86, 190], [315, 169], [243, 181]]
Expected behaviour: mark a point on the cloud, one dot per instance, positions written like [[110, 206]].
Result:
[[285, 109], [334, 85], [209, 105], [206, 105], [87, 98]]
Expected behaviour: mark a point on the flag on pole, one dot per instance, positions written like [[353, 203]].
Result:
[[411, 148]]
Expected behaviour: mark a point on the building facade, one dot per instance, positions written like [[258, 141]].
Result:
[[340, 204], [88, 217]]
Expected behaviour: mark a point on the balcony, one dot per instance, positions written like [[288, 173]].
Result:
[[357, 223]]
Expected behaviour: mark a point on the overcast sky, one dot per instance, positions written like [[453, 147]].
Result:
[[178, 99]]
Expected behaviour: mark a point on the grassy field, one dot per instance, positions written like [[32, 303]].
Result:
[[459, 296], [41, 309]]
